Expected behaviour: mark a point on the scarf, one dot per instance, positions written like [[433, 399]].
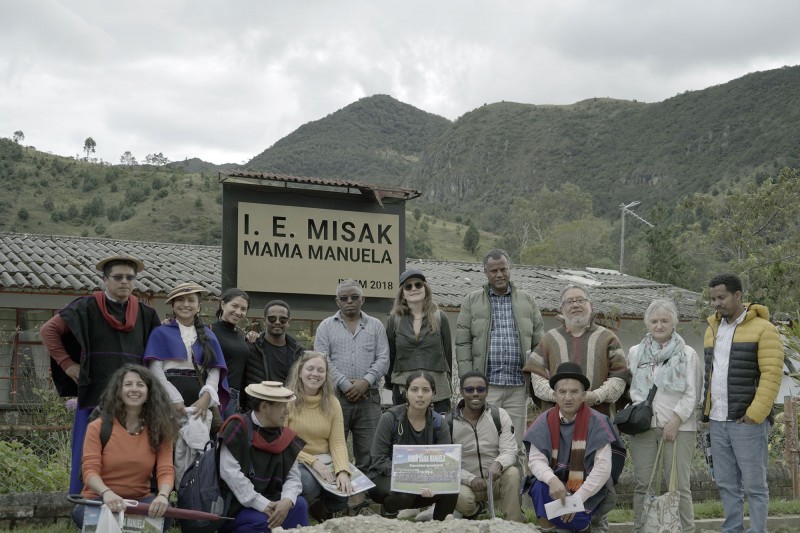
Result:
[[578, 447], [131, 312], [649, 355], [285, 436]]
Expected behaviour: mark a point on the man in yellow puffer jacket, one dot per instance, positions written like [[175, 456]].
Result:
[[744, 364]]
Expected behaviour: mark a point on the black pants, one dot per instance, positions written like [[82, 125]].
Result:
[[395, 501]]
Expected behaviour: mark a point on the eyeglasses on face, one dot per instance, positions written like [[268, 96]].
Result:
[[345, 299], [120, 277], [570, 301], [472, 390], [281, 319], [413, 285]]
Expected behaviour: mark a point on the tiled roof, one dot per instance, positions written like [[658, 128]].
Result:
[[53, 264], [612, 293]]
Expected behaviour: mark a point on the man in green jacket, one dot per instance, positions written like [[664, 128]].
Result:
[[498, 324], [744, 367]]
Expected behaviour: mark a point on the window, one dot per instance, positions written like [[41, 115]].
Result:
[[24, 361]]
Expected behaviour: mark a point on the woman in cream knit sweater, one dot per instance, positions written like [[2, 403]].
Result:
[[316, 417]]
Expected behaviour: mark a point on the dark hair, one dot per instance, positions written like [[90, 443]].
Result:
[[732, 282], [421, 374], [111, 264], [473, 374], [496, 254], [156, 411], [429, 307], [229, 295], [209, 358], [280, 303]]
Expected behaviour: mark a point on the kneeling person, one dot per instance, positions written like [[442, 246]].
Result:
[[570, 453], [271, 498], [485, 448]]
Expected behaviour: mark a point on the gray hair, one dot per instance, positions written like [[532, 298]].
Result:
[[573, 286], [496, 254], [349, 284], [662, 305]]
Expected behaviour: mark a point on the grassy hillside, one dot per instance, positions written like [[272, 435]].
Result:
[[375, 140], [702, 141], [58, 195]]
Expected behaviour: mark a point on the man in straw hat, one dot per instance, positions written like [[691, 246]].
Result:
[[94, 336], [271, 498], [572, 450]]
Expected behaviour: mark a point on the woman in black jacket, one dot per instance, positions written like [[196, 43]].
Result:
[[415, 422]]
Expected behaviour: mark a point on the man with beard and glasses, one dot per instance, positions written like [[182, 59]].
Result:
[[744, 366], [275, 351], [596, 349], [358, 351]]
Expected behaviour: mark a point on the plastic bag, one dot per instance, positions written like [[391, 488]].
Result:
[[109, 522]]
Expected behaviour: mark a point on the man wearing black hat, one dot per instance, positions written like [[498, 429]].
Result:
[[571, 454], [94, 336]]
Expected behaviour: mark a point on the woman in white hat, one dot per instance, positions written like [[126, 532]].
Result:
[[186, 357], [262, 472]]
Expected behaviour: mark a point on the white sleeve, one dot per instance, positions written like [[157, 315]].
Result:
[[157, 368], [600, 473], [231, 473], [540, 466], [212, 386], [293, 485]]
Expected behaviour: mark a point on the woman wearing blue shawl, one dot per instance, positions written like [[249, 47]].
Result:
[[186, 358]]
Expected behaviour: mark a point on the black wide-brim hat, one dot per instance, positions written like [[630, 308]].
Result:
[[569, 371]]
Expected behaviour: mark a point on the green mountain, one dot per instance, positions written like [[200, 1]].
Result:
[[619, 151], [374, 140]]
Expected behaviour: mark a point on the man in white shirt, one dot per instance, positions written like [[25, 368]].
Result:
[[571, 454]]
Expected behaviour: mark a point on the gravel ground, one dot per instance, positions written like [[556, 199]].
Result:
[[371, 524]]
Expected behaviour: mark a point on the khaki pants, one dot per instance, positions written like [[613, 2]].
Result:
[[506, 496]]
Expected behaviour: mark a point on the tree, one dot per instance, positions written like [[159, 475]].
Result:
[[665, 260], [88, 146], [158, 160], [127, 159], [19, 136], [577, 243], [471, 238]]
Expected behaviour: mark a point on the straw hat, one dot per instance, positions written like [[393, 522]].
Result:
[[138, 262], [185, 288], [272, 391]]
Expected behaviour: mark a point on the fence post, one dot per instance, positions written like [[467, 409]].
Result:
[[791, 450]]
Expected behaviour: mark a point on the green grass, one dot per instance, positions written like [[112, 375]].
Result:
[[713, 509]]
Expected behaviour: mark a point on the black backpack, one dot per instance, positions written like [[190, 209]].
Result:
[[201, 487]]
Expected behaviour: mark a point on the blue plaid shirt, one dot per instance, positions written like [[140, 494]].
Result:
[[503, 362]]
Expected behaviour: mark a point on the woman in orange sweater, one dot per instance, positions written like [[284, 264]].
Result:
[[316, 417], [138, 446]]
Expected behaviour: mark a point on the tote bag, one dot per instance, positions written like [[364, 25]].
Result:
[[660, 514]]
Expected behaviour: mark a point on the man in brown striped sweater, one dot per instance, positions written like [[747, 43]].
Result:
[[596, 349]]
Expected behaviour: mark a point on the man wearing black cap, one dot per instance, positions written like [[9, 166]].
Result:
[[94, 336], [571, 454]]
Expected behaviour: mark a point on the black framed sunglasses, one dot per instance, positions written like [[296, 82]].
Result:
[[345, 299], [472, 390], [413, 285], [120, 277], [281, 319]]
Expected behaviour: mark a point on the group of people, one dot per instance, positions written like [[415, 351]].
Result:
[[159, 387]]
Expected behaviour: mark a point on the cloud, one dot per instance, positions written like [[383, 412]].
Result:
[[223, 81]]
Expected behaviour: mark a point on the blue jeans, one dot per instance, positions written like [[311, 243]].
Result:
[[78, 436], [361, 419], [740, 463]]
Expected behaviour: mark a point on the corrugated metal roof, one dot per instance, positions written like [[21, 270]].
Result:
[[55, 264], [378, 191]]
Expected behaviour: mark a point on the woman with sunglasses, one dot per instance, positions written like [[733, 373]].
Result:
[[419, 339], [233, 306], [274, 352]]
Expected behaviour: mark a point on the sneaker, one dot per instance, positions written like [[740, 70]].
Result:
[[366, 511], [481, 510], [425, 516], [386, 514], [457, 514]]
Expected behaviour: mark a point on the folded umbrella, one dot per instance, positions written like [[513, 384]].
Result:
[[141, 508]]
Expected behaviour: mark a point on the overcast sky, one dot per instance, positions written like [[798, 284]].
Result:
[[225, 80]]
